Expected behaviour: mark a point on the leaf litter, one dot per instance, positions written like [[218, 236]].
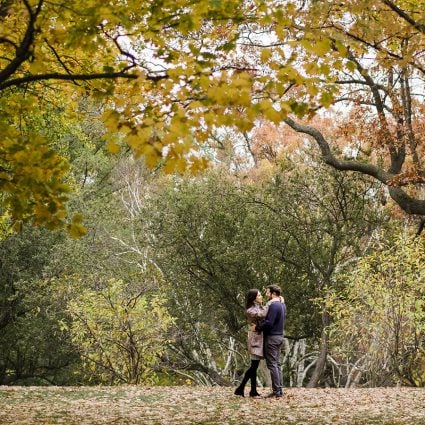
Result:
[[209, 405]]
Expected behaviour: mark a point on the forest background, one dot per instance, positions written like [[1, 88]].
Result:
[[160, 159]]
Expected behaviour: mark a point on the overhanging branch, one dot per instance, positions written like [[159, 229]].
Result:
[[405, 16], [330, 159], [74, 77], [406, 202], [24, 50]]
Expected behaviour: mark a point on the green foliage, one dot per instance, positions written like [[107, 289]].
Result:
[[38, 268], [380, 316], [217, 236], [321, 219], [34, 161], [33, 348], [206, 246], [211, 237], [120, 335]]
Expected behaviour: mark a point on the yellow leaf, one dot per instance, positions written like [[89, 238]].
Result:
[[266, 55], [322, 47], [341, 48], [113, 147], [37, 67], [326, 99], [351, 66], [76, 230], [273, 115], [77, 218], [111, 119]]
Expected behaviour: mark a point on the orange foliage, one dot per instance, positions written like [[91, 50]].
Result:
[[270, 142]]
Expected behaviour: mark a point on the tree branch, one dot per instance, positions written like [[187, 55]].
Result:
[[23, 52], [398, 155], [405, 16], [379, 48], [76, 77], [330, 159], [56, 54], [406, 202]]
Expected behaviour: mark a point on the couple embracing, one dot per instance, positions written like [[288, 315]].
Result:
[[265, 338]]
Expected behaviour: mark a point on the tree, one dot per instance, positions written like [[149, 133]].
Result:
[[33, 347], [379, 316], [121, 334], [381, 80], [74, 48], [178, 71], [217, 236], [200, 243], [260, 64], [324, 220], [40, 271]]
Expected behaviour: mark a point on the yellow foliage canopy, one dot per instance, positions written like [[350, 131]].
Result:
[[173, 71]]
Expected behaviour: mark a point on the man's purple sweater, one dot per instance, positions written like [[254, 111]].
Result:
[[274, 321]]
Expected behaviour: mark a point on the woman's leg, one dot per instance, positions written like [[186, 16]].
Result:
[[251, 372], [254, 367]]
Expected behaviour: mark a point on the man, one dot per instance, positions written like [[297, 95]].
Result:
[[272, 328]]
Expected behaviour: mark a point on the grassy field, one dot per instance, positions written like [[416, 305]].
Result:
[[203, 405]]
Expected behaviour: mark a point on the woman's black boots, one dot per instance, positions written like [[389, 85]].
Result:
[[241, 388], [254, 366], [250, 374]]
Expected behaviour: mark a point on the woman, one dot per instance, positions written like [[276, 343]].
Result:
[[254, 312]]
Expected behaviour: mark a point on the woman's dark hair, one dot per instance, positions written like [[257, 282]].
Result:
[[251, 296]]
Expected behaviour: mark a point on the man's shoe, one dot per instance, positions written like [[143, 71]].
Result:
[[274, 395], [240, 392]]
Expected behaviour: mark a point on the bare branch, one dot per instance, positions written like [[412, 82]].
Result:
[[378, 47], [57, 56]]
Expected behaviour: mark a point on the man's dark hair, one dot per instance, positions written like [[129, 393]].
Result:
[[274, 289]]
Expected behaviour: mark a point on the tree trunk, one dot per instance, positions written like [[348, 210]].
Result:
[[323, 352], [266, 374]]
